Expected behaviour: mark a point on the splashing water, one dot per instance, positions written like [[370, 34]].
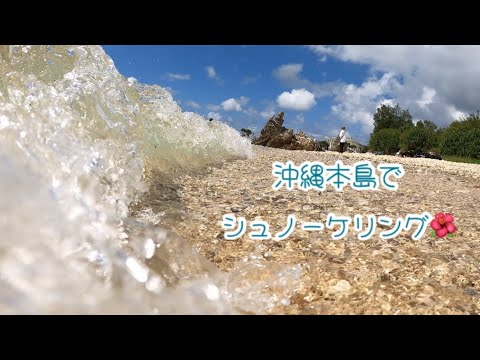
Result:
[[79, 144]]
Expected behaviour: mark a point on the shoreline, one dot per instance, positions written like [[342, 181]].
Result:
[[348, 276]]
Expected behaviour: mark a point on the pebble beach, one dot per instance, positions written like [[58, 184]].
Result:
[[347, 276]]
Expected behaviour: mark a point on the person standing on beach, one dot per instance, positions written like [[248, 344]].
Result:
[[343, 138]]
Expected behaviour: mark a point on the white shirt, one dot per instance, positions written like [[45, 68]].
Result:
[[343, 136]]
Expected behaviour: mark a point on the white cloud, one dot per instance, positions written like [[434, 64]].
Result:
[[388, 102], [297, 99], [235, 104], [251, 112], [267, 114], [211, 72], [427, 97], [455, 114], [288, 71], [322, 50], [214, 115], [290, 75], [213, 107], [173, 77], [193, 104], [231, 105], [243, 100], [269, 111], [434, 82], [357, 104]]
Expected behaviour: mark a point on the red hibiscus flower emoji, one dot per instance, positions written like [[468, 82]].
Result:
[[443, 225]]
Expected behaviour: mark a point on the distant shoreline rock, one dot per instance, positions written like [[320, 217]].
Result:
[[275, 135]]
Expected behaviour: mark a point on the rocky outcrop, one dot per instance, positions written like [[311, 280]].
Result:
[[281, 140], [271, 131], [334, 144], [275, 135], [301, 141]]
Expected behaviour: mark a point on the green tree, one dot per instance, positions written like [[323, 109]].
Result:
[[388, 117], [472, 121], [323, 145], [246, 132], [462, 137], [473, 143], [423, 137], [461, 143], [386, 140], [427, 124], [441, 133]]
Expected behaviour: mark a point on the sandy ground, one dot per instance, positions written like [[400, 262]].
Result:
[[348, 276]]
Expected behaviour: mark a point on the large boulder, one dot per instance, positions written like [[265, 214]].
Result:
[[275, 135], [271, 130], [282, 140], [301, 141]]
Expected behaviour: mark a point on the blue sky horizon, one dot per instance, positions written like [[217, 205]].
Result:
[[319, 88]]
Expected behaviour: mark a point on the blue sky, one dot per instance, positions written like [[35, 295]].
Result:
[[320, 88]]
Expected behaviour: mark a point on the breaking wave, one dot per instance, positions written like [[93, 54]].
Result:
[[79, 144]]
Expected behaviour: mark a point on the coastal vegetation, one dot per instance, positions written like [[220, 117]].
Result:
[[394, 130]]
